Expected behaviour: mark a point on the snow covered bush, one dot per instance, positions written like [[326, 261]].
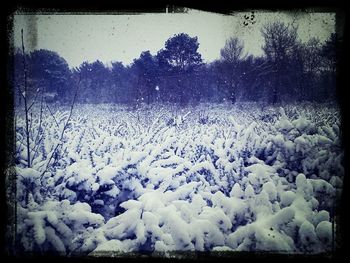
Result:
[[216, 178], [57, 227]]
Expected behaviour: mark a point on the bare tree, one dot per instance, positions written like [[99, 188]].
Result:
[[232, 55], [232, 51], [60, 142], [280, 41], [25, 96], [312, 66]]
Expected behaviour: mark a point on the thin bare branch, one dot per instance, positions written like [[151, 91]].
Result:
[[63, 130], [53, 116], [25, 95], [34, 100]]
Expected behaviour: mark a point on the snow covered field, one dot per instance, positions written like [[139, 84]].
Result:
[[209, 177]]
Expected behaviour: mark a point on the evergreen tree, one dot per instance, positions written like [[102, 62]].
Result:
[[49, 72], [180, 61], [146, 69]]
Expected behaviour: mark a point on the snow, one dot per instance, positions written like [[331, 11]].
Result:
[[283, 216], [284, 124], [236, 191], [307, 233], [324, 231], [287, 198], [249, 192], [55, 241], [322, 215], [301, 124], [129, 180], [106, 174], [27, 173], [270, 189], [38, 227]]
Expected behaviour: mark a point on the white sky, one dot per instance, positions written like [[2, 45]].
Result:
[[79, 38]]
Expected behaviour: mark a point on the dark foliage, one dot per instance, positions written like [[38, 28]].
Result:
[[289, 70]]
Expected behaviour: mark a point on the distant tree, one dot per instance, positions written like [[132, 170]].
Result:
[[95, 82], [146, 69], [330, 53], [279, 47], [18, 75], [122, 87], [232, 51], [205, 84], [99, 85], [312, 69], [231, 57], [218, 78], [178, 61], [84, 71], [49, 72], [181, 53], [250, 77], [257, 80]]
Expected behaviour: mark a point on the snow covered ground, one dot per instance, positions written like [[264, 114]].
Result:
[[208, 177]]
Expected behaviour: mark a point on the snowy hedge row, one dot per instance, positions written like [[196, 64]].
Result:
[[242, 178]]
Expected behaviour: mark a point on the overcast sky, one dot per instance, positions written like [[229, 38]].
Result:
[[79, 38]]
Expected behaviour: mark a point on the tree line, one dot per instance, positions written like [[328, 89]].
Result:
[[288, 70]]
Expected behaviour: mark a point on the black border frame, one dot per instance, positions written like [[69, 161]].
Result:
[[218, 6]]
